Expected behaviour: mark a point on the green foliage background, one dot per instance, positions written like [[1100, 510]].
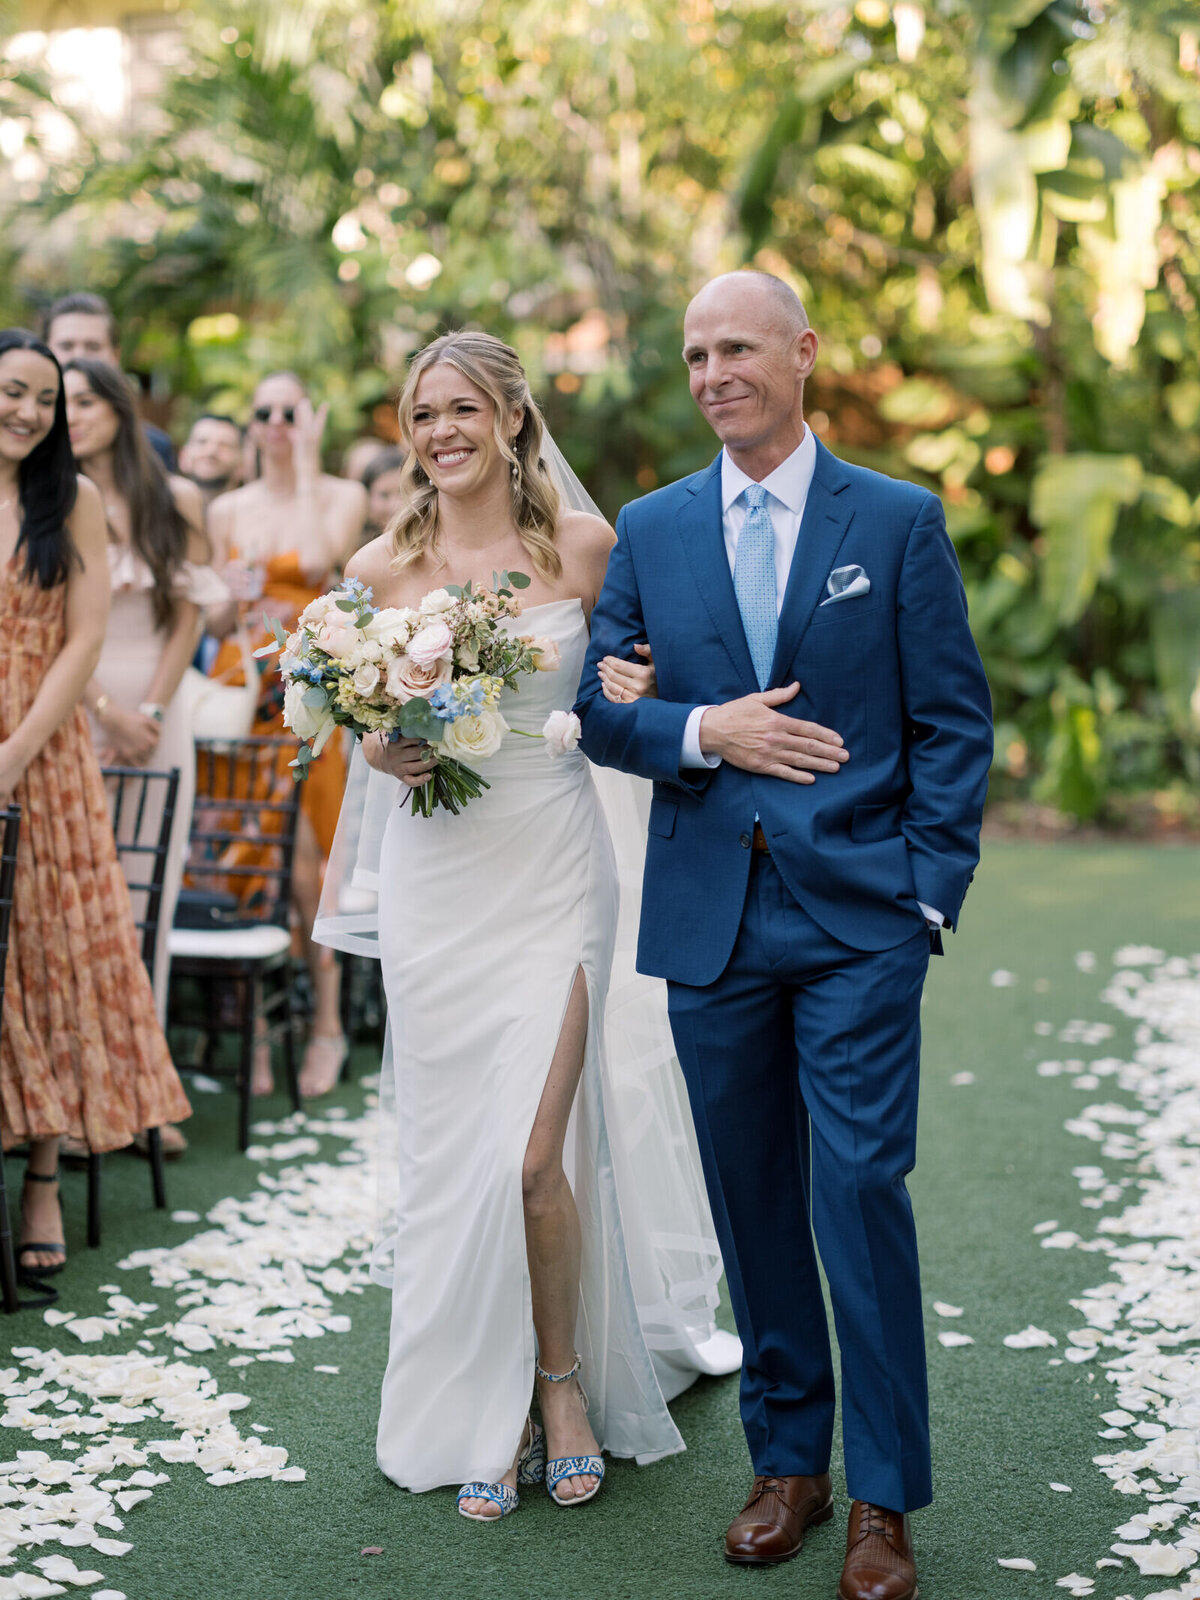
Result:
[[990, 208]]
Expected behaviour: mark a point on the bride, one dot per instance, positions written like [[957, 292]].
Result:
[[548, 1224]]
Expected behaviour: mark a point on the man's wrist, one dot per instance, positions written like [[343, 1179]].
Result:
[[693, 755]]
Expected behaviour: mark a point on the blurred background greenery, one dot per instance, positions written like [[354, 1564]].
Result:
[[990, 207]]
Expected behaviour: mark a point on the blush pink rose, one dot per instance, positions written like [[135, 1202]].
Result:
[[413, 680], [337, 641], [430, 644]]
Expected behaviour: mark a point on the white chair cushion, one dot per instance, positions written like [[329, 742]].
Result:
[[230, 944]]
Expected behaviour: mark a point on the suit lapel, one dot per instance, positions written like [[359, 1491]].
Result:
[[701, 530], [827, 515]]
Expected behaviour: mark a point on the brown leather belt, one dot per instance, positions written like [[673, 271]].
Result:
[[759, 841]]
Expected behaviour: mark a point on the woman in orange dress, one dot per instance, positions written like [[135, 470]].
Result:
[[81, 1049], [279, 542]]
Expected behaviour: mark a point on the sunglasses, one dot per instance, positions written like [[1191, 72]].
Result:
[[266, 413]]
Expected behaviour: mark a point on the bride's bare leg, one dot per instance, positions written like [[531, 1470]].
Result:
[[552, 1243], [326, 1046]]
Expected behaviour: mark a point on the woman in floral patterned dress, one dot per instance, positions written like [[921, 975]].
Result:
[[81, 1050]]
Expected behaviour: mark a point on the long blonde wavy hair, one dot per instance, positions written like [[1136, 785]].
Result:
[[493, 367]]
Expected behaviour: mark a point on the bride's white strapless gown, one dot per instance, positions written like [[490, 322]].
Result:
[[484, 920]]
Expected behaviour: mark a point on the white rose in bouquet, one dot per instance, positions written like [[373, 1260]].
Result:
[[304, 722], [561, 733], [431, 644], [437, 601], [391, 625], [474, 738], [319, 610], [410, 680], [366, 678]]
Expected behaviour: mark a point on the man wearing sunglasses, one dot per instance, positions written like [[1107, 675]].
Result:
[[280, 541]]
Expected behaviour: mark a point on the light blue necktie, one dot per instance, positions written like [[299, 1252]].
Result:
[[754, 582]]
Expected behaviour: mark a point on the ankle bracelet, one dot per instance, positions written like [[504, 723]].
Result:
[[557, 1377]]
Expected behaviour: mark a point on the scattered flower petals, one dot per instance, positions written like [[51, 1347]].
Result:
[[185, 1216], [961, 1080], [1003, 980], [1061, 1488], [372, 1550], [945, 1309], [1030, 1338], [952, 1340], [1018, 1564]]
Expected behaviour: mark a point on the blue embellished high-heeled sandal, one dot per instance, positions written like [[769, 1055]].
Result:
[[571, 1466], [531, 1468]]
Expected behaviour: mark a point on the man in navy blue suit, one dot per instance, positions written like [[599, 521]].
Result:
[[819, 746]]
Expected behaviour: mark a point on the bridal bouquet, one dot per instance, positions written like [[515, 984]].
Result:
[[433, 673]]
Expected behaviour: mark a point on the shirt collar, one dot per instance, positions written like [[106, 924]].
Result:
[[789, 483]]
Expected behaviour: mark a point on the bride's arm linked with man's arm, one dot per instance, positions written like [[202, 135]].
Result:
[[650, 736]]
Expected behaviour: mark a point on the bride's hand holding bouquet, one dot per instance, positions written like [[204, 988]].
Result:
[[427, 679]]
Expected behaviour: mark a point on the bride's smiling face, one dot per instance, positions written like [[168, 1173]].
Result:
[[453, 432]]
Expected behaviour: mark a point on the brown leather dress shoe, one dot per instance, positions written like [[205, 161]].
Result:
[[879, 1556], [771, 1526]]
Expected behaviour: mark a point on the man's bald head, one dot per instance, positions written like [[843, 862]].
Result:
[[748, 349], [780, 300]]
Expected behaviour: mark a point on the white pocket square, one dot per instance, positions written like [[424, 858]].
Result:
[[846, 583]]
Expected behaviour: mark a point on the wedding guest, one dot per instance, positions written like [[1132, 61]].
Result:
[[212, 455], [279, 542], [383, 480], [158, 561], [82, 326], [81, 1050], [359, 454]]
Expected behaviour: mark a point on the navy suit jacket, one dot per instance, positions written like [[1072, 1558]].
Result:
[[894, 671]]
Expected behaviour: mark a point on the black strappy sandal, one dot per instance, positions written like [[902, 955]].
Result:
[[59, 1246]]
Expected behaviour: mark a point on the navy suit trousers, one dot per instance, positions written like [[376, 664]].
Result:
[[802, 1062]]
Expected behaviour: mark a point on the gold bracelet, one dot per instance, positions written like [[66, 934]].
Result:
[[101, 706]]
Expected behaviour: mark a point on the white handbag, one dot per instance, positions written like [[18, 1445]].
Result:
[[219, 710]]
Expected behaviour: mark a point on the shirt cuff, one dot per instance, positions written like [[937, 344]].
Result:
[[935, 917], [691, 754]]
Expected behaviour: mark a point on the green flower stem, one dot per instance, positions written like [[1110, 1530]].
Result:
[[452, 786]]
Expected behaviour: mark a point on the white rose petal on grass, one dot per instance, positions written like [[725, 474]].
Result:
[[962, 1080], [945, 1309], [334, 1370], [1109, 1561], [1030, 1338], [1076, 1582], [1017, 1564], [561, 733], [61, 1569], [1062, 1488], [1001, 979], [185, 1216], [952, 1340], [109, 1594], [1157, 1560]]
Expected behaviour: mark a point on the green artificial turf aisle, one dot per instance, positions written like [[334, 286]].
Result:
[[994, 1162]]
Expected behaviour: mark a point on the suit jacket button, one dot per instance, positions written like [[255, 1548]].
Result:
[[744, 841]]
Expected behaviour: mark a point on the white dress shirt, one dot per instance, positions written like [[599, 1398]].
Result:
[[787, 494]]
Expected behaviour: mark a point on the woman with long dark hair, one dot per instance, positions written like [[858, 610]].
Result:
[[81, 1051], [160, 578]]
